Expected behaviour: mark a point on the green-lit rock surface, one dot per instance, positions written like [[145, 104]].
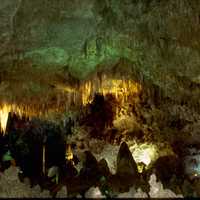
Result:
[[47, 38]]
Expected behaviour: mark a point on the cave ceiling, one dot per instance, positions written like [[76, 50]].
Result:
[[48, 43]]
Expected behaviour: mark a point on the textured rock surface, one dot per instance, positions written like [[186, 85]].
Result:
[[11, 187], [160, 38], [126, 165]]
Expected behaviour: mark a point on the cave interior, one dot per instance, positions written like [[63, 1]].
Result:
[[100, 98]]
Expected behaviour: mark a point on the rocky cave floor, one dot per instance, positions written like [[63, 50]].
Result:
[[150, 151]]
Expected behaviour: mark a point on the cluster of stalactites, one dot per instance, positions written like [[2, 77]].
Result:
[[4, 112], [20, 110], [123, 90]]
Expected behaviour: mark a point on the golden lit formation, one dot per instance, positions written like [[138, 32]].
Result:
[[144, 153], [20, 110], [4, 112], [122, 90], [69, 153]]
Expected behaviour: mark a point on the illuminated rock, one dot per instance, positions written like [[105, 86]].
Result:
[[157, 190], [4, 112], [94, 193], [144, 153]]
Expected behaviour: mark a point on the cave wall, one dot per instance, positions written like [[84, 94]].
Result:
[[159, 38]]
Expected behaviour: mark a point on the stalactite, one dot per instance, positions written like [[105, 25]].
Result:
[[44, 159], [68, 153], [122, 89], [4, 117]]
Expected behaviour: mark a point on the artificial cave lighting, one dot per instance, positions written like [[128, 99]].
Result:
[[127, 95], [69, 153], [13, 108], [123, 90], [21, 110], [4, 112], [98, 97], [65, 88], [144, 153]]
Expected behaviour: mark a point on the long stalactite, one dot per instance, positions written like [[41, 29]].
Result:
[[70, 97]]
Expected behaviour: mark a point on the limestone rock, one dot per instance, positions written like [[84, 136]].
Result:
[[94, 193], [166, 167], [126, 165], [90, 172], [157, 190], [103, 168], [42, 37]]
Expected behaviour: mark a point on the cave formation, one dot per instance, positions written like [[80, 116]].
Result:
[[95, 91]]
